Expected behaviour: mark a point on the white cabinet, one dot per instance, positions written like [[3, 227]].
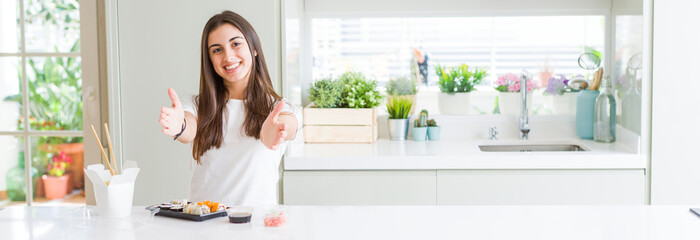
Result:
[[525, 187], [359, 187], [465, 187]]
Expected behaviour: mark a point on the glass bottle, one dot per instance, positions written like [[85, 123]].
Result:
[[16, 183], [605, 113]]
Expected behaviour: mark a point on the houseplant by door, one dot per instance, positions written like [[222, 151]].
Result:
[[398, 109], [455, 85], [56, 183], [509, 98]]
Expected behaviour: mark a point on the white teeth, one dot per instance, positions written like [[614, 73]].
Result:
[[232, 66]]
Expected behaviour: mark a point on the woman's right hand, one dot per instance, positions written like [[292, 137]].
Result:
[[172, 118]]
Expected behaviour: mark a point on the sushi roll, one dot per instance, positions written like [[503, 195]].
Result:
[[176, 208], [189, 208], [199, 210], [166, 206], [181, 202]]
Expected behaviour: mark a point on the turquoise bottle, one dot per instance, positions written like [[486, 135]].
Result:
[[605, 113], [16, 187], [585, 107]]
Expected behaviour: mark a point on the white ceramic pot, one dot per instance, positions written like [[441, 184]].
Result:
[[454, 104], [510, 103], [564, 104]]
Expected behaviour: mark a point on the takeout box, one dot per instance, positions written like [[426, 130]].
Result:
[[113, 194]]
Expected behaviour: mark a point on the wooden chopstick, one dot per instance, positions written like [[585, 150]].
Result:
[[102, 150], [111, 151]]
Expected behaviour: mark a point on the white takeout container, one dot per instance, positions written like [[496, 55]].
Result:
[[113, 200]]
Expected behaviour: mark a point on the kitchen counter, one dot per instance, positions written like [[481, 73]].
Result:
[[385, 154], [368, 222]]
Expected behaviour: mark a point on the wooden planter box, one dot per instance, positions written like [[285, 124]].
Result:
[[340, 125]]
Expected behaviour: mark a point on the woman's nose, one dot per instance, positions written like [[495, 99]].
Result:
[[229, 57]]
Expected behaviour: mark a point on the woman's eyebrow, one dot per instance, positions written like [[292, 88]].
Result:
[[233, 38]]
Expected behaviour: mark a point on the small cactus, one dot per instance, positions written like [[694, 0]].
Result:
[[423, 118], [432, 123]]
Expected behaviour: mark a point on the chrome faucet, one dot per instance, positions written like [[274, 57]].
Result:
[[524, 125]]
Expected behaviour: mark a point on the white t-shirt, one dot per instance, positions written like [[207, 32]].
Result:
[[242, 171]]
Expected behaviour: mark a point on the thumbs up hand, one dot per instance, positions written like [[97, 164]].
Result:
[[172, 118], [273, 131]]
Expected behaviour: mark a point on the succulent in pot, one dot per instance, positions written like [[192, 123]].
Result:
[[420, 126], [433, 130]]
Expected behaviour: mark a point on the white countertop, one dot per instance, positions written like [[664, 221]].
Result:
[[455, 154], [369, 222]]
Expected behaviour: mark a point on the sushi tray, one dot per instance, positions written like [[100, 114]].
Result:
[[197, 212]]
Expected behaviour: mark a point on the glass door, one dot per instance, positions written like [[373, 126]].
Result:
[[41, 130]]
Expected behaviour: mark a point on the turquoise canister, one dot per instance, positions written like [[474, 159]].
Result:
[[585, 108]]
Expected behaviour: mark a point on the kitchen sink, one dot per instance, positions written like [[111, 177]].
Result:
[[532, 148]]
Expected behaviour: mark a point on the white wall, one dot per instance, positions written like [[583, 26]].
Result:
[[159, 44], [675, 162]]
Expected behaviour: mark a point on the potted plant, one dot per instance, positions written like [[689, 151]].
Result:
[[455, 84], [342, 110], [398, 109], [509, 98], [563, 96], [56, 183], [420, 126], [404, 87], [433, 130]]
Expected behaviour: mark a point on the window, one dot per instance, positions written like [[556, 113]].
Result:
[[383, 48], [41, 100]]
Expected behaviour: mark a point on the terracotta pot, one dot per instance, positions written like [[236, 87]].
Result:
[[76, 152], [55, 187]]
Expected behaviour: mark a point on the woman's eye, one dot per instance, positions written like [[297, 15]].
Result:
[[236, 44], [216, 50]]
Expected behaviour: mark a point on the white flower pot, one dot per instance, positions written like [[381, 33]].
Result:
[[564, 104], [510, 103], [454, 104]]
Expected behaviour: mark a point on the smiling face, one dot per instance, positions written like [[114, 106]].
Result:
[[230, 55]]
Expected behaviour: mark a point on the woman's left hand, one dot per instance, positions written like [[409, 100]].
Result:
[[273, 131]]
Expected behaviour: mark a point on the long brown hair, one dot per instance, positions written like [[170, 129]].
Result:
[[260, 96]]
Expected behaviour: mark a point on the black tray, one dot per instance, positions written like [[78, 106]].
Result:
[[186, 216]]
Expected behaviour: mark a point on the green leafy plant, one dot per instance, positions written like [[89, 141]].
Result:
[[422, 120], [358, 91], [401, 86], [459, 79], [326, 93], [399, 107]]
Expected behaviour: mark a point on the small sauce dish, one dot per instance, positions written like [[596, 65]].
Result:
[[239, 214]]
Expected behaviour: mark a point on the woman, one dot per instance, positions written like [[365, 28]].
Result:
[[237, 123]]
